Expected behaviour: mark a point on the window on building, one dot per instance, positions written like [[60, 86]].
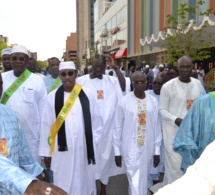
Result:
[[109, 43], [96, 13], [121, 16], [113, 22], [114, 40], [109, 25], [121, 37]]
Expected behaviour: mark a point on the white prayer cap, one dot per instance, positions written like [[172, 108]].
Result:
[[147, 66], [161, 65], [19, 49], [67, 65], [6, 51]]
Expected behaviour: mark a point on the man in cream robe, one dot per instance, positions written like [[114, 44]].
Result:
[[107, 91], [176, 98], [28, 100], [137, 136], [71, 170]]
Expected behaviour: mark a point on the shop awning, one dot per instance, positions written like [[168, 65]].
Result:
[[122, 53]]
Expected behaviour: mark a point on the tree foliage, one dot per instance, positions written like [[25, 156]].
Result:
[[91, 53], [190, 43], [2, 46], [77, 63], [42, 64]]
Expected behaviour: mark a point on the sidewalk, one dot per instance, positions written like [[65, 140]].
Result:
[[118, 185]]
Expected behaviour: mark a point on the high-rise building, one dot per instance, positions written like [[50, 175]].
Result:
[[71, 48], [85, 28]]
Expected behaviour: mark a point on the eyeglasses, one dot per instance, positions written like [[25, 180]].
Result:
[[21, 59], [6, 58], [63, 74], [139, 82]]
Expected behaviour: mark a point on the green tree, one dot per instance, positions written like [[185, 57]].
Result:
[[2, 46], [42, 64], [190, 43], [77, 63], [92, 51]]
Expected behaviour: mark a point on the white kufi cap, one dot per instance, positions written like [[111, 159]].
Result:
[[67, 65], [147, 66], [6, 51], [19, 49], [161, 65]]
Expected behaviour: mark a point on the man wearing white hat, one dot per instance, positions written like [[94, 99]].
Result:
[[24, 93], [161, 68], [5, 56], [66, 134]]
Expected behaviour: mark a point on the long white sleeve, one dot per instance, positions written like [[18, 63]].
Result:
[[157, 133], [117, 131], [164, 104]]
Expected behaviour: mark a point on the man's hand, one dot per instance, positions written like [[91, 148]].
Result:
[[40, 177], [111, 62], [156, 160], [178, 121], [41, 187], [47, 161], [118, 161]]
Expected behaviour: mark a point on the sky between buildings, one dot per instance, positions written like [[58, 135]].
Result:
[[41, 25]]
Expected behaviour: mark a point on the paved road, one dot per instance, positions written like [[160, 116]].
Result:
[[118, 185]]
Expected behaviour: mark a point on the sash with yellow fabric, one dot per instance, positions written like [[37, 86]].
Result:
[[62, 111], [63, 114], [15, 85], [55, 85]]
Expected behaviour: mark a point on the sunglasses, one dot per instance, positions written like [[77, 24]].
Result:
[[21, 59], [63, 74]]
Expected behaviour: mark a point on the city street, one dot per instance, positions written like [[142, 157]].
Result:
[[118, 185]]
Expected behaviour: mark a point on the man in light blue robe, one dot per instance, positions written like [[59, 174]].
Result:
[[50, 79], [18, 169], [196, 131]]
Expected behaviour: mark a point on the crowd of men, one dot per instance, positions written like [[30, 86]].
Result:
[[154, 123]]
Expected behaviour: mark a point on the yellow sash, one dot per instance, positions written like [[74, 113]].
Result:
[[63, 114]]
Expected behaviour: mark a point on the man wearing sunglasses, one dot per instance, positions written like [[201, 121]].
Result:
[[6, 61], [137, 136], [66, 135], [24, 93], [108, 91]]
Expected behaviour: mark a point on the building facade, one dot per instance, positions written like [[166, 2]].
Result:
[[71, 48], [110, 19], [147, 18], [85, 28]]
